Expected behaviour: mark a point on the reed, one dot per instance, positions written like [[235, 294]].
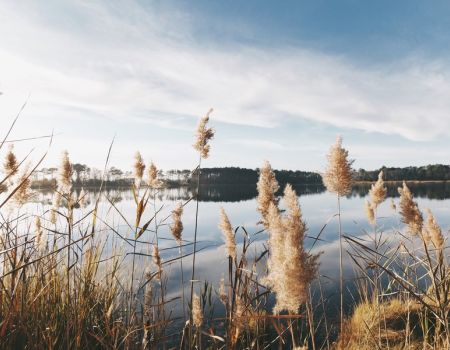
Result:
[[65, 279], [202, 138], [338, 179]]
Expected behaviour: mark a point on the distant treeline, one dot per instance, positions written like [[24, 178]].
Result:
[[436, 172], [234, 175], [84, 176]]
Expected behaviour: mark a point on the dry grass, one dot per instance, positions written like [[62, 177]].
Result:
[[60, 288], [361, 330]]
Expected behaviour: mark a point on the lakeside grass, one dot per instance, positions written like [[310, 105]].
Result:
[[60, 288]]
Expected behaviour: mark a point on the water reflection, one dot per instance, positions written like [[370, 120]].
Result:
[[430, 190], [238, 193], [318, 207]]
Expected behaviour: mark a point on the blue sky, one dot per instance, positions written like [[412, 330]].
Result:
[[284, 79]]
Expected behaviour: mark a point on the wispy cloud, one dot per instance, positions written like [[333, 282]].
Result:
[[125, 62], [260, 144]]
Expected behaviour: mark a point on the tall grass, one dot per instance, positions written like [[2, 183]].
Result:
[[80, 276]]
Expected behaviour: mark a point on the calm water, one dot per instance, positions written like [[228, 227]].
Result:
[[240, 204]]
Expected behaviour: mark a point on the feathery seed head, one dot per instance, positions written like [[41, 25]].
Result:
[[197, 314], [23, 193], [203, 135], [139, 168], [10, 165], [378, 191], [153, 181], [65, 174], [409, 210], [291, 268], [228, 234], [338, 176], [433, 232], [177, 225], [267, 187], [370, 212]]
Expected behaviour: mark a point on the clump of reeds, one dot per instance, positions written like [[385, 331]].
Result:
[[291, 268]]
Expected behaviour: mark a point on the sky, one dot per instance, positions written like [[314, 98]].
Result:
[[284, 79]]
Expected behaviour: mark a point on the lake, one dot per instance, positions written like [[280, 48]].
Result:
[[239, 202]]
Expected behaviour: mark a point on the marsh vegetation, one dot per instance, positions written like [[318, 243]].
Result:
[[80, 271]]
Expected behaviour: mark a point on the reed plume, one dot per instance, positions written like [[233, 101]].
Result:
[[228, 234], [378, 192], [139, 168], [432, 232], [291, 268], [197, 314], [152, 176], [157, 260], [10, 165], [338, 176], [370, 212], [65, 174], [409, 211], [23, 193], [177, 225], [276, 246], [203, 136], [267, 186]]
